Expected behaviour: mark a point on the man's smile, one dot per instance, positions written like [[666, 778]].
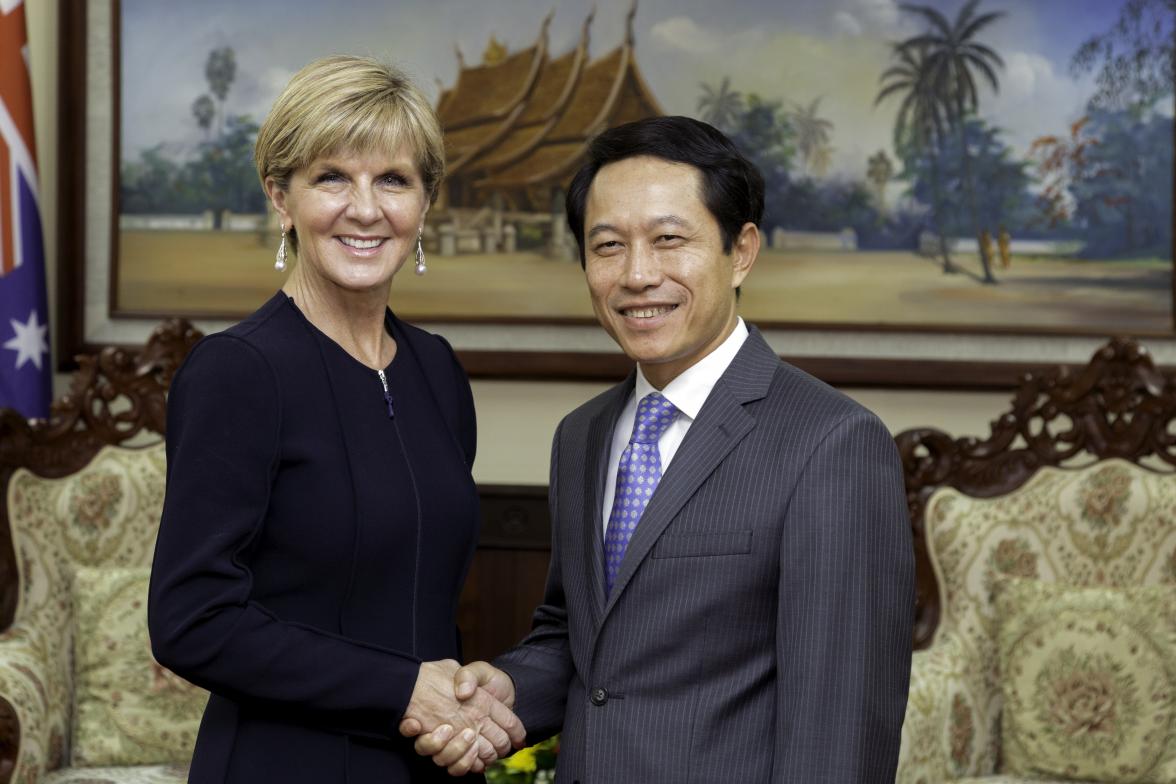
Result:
[[647, 311]]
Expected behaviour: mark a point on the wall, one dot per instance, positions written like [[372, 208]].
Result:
[[41, 16], [515, 419]]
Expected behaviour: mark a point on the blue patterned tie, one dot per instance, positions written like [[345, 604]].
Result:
[[637, 477]]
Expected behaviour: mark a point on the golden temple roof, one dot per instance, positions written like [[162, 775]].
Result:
[[529, 123]]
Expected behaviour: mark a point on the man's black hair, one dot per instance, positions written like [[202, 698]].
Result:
[[732, 187]]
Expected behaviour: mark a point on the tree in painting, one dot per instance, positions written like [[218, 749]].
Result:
[[812, 137], [721, 106], [762, 133], [1109, 180], [220, 70], [1061, 162], [204, 110], [919, 128], [224, 170], [1005, 199], [155, 183], [1135, 59], [219, 175], [1123, 201], [951, 56]]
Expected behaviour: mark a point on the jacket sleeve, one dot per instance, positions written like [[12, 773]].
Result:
[[224, 415], [464, 421], [541, 665], [846, 606], [466, 416]]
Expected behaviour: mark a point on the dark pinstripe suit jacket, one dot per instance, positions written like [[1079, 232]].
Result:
[[760, 627]]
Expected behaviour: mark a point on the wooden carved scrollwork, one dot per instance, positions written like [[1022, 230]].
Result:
[[114, 397], [1119, 405]]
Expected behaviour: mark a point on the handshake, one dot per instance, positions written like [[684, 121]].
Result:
[[461, 716]]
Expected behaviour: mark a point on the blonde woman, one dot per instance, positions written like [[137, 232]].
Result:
[[320, 514]]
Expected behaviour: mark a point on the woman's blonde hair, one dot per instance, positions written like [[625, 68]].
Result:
[[348, 103]]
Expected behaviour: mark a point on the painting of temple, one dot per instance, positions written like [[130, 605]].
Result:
[[516, 128], [1041, 202]]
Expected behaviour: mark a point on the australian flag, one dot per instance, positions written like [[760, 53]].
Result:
[[25, 380]]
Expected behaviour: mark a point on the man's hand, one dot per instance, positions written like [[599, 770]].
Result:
[[484, 675], [467, 734], [483, 690]]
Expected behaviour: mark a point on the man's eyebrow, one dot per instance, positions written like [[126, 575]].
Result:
[[672, 220], [600, 228]]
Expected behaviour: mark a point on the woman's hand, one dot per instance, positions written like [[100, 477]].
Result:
[[468, 732]]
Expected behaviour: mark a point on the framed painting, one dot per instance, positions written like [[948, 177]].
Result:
[[953, 190]]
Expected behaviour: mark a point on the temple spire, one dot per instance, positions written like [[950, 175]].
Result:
[[495, 51], [587, 24]]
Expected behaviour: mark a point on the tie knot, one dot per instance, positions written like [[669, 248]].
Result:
[[654, 415]]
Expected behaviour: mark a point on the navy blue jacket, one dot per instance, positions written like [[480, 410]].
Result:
[[313, 546]]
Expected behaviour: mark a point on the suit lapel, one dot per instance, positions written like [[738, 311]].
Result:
[[599, 447], [721, 424]]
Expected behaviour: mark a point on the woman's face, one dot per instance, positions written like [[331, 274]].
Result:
[[357, 216]]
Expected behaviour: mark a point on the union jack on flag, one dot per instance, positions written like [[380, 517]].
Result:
[[25, 380]]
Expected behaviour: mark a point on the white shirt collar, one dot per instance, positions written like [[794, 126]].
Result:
[[690, 389]]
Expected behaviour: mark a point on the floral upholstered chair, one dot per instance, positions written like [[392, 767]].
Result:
[[1048, 589], [81, 699]]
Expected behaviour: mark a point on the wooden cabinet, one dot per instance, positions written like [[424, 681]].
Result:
[[509, 571]]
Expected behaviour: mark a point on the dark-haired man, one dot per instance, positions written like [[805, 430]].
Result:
[[731, 586]]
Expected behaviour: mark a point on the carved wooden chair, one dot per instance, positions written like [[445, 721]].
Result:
[[83, 492], [1046, 560]]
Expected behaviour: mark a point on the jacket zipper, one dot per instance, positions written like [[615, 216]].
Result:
[[387, 394]]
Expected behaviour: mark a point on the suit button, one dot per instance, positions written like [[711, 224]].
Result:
[[598, 696]]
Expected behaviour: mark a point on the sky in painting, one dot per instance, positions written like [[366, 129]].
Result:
[[794, 51]]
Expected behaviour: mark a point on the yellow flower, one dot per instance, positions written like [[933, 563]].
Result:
[[522, 761]]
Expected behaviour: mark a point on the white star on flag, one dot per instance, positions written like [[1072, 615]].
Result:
[[30, 342]]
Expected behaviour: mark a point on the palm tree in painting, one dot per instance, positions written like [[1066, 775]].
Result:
[[204, 110], [220, 70], [812, 136], [720, 106], [920, 125], [951, 58]]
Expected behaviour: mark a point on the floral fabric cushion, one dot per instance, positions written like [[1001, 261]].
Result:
[[1088, 677], [129, 710], [144, 774], [106, 514], [1111, 523], [940, 739]]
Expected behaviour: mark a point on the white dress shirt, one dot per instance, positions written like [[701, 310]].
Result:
[[687, 392]]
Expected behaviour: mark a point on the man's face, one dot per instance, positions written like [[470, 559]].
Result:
[[661, 285]]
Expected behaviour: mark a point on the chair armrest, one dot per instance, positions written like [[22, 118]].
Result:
[[33, 705], [948, 732]]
